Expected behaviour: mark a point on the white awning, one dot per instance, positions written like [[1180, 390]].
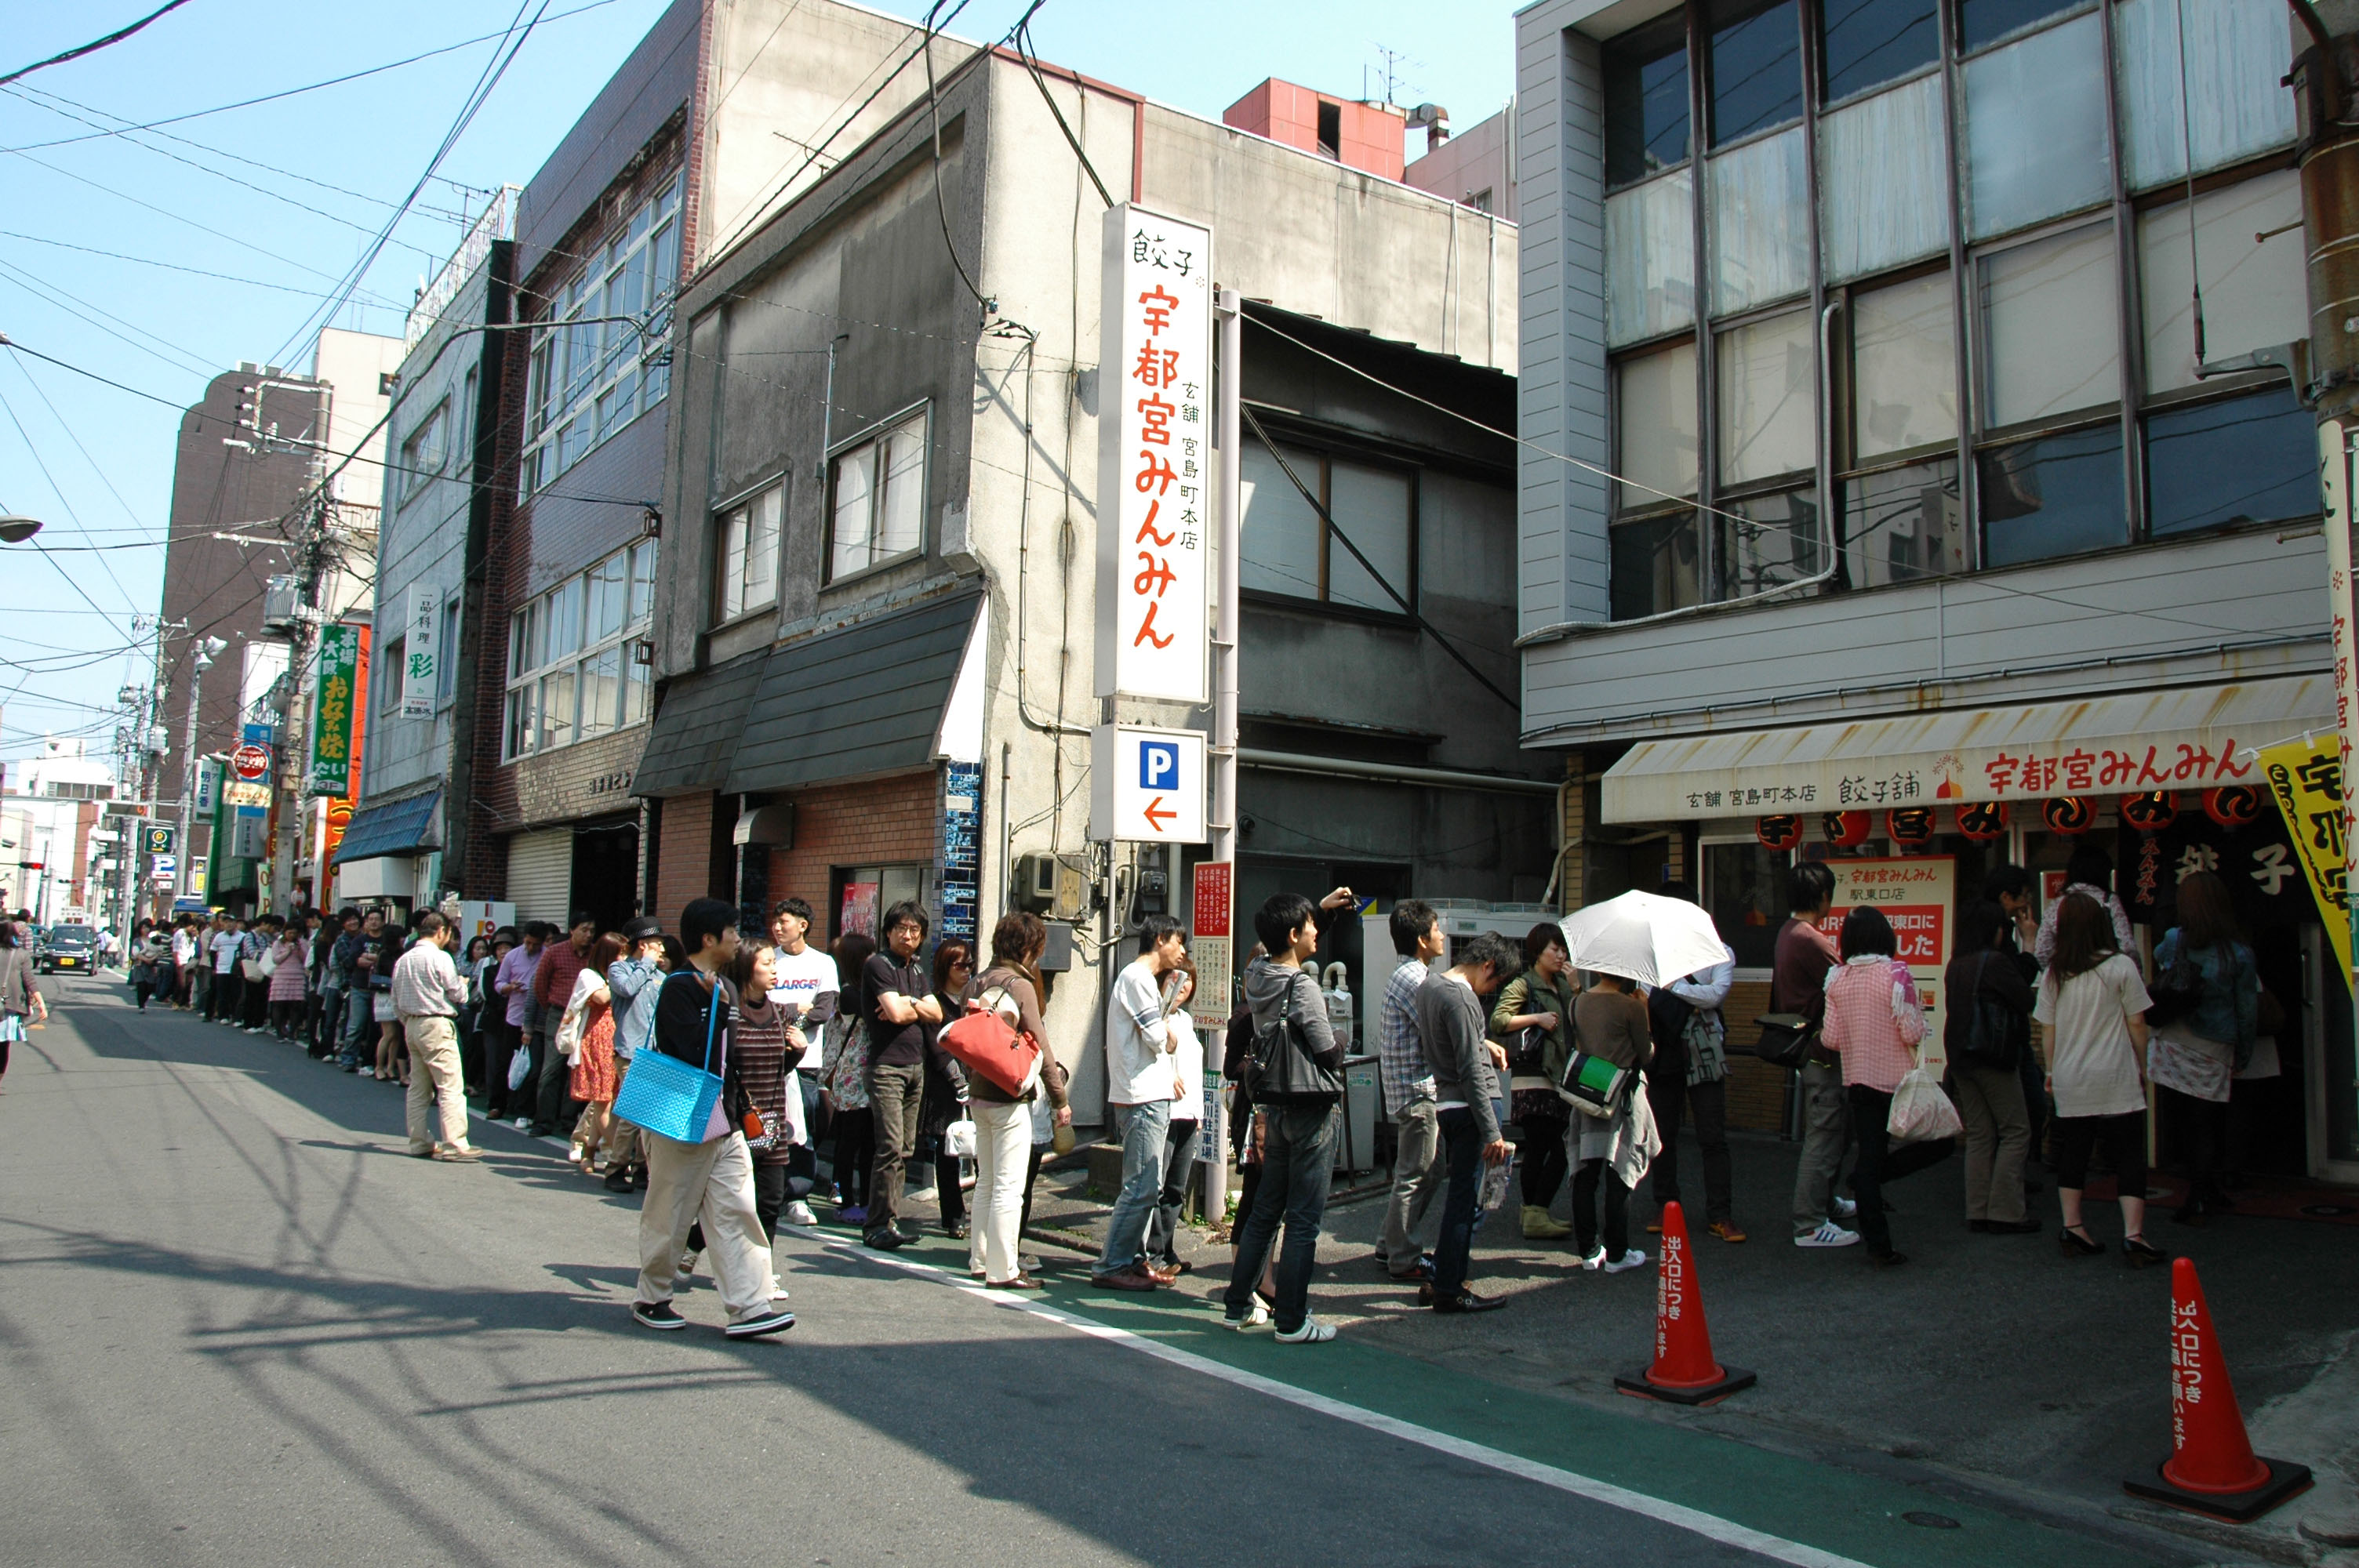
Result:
[[2190, 738]]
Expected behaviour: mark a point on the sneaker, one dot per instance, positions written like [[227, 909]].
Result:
[[1727, 1229], [1845, 1208], [1594, 1259], [1311, 1332], [798, 1213], [1828, 1234], [658, 1314], [469, 1156], [777, 1289], [687, 1264], [523, 1123], [364, 1072], [1254, 1316], [1467, 1301], [855, 1215], [759, 1325], [1027, 1262]]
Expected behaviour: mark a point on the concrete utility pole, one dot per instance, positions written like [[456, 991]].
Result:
[[202, 657]]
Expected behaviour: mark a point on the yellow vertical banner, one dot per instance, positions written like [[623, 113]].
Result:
[[2305, 781]]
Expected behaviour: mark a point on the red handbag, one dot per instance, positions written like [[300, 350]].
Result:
[[984, 1043]]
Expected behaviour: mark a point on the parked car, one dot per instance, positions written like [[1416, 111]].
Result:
[[66, 947]]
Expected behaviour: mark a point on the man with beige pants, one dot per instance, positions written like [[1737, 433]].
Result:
[[426, 995]]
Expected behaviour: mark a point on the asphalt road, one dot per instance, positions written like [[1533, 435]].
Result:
[[240, 1325]]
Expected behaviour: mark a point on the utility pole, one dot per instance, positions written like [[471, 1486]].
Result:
[[202, 658]]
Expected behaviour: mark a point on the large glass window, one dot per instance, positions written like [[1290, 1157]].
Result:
[[1645, 101], [1767, 541], [1285, 548], [2051, 322], [2227, 68], [1654, 565], [1760, 222], [1864, 43], [599, 358], [2249, 459], [422, 453], [1757, 67], [1903, 523], [1981, 22], [2256, 293], [1904, 367], [1650, 258], [748, 555], [573, 669], [2053, 497], [1768, 398], [880, 500], [1884, 180], [2037, 146], [1656, 397]]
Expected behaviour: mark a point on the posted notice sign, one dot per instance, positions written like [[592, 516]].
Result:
[[1212, 930], [1155, 457], [1146, 785], [1915, 893]]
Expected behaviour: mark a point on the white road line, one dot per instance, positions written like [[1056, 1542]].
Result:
[[1694, 1521]]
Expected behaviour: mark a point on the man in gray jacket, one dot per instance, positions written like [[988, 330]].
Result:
[[1452, 1009]]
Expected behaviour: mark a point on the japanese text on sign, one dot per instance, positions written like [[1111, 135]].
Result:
[[1155, 457], [1915, 893], [2306, 782], [420, 656]]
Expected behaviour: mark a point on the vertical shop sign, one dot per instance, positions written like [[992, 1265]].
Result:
[[332, 709], [1155, 457], [2334, 472], [2305, 778], [420, 658], [961, 850], [1915, 893]]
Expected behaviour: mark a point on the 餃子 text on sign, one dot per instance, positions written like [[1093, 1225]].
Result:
[[1155, 457]]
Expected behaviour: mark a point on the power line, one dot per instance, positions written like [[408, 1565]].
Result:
[[93, 47], [169, 266], [8, 342]]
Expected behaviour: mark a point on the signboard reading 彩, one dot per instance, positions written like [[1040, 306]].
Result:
[[420, 656], [1155, 457], [1915, 893]]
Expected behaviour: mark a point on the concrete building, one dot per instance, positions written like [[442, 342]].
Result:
[[47, 858], [1910, 428], [873, 621], [1476, 165], [722, 114], [448, 489]]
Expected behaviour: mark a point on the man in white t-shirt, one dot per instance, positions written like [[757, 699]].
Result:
[[184, 961], [225, 945], [810, 990]]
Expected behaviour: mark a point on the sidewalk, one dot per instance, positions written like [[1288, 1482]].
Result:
[[1989, 1360]]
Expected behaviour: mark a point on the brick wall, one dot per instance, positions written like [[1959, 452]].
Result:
[[684, 867], [853, 824], [1756, 1091]]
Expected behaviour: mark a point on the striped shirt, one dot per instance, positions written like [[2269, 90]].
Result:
[[757, 1049], [1400, 1049]]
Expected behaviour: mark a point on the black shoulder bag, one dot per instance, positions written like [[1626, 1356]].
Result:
[[1282, 1067], [1989, 1039]]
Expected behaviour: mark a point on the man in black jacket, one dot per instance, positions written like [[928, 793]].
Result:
[[710, 1181], [1452, 1009]]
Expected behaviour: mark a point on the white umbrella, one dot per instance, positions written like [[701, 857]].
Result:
[[1643, 936]]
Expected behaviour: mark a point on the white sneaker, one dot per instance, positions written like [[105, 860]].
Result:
[[1312, 1332], [1845, 1208], [1828, 1234], [1256, 1316], [800, 1212], [1634, 1258], [364, 1072], [1593, 1259], [523, 1123], [777, 1291]]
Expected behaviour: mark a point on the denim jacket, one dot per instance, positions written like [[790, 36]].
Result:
[[2231, 1008], [634, 984]]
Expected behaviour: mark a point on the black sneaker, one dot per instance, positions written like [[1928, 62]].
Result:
[[886, 1239], [658, 1314], [1467, 1301], [761, 1323], [618, 1180]]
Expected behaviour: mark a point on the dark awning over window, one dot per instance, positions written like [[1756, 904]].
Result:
[[858, 703], [397, 827], [696, 728]]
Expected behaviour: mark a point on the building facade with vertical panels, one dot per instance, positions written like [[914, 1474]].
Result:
[[1907, 386]]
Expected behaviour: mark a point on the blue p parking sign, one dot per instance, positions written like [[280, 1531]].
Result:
[[1158, 765]]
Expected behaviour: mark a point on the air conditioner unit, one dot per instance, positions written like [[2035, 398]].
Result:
[[282, 606]]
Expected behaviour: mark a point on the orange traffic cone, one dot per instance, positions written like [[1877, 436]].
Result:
[[1684, 1371], [2211, 1470]]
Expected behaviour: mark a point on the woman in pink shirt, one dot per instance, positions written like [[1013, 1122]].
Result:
[[1874, 1023]]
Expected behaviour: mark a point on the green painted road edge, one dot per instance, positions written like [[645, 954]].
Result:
[[1833, 1509]]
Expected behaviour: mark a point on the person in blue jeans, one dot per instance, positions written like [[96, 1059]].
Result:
[[1142, 1080], [1298, 1124], [1452, 1010]]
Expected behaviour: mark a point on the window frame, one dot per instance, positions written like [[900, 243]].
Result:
[[1328, 445], [527, 684], [747, 607], [879, 434], [411, 476]]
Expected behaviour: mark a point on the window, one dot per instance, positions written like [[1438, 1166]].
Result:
[[1656, 428], [880, 497], [1983, 21], [863, 894], [748, 555], [1865, 43], [2234, 55], [1772, 540], [2255, 296], [2248, 459], [1330, 128], [1768, 398], [1903, 523], [447, 673], [1756, 68], [573, 673], [2053, 497], [1761, 217], [1904, 367], [2050, 328], [1745, 893], [2037, 146], [388, 663], [591, 374], [1654, 565], [1650, 258], [1645, 101], [1884, 179], [1285, 547], [422, 454]]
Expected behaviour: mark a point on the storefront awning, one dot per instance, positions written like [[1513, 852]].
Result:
[[2187, 738], [695, 730], [856, 703], [397, 827]]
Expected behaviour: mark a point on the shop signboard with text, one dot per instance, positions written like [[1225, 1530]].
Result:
[[1917, 894]]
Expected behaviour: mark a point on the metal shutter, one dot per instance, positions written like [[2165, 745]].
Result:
[[540, 874]]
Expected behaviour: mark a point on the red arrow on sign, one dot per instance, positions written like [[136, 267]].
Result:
[[1157, 818]]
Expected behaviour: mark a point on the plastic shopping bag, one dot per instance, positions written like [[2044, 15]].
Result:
[[519, 1068], [1921, 1111]]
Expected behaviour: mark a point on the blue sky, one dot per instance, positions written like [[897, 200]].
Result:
[[264, 208]]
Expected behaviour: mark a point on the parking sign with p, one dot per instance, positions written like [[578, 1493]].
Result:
[[1146, 785]]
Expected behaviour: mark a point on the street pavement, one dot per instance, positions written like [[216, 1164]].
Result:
[[241, 1325]]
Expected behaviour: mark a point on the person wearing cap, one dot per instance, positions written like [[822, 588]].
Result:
[[633, 981]]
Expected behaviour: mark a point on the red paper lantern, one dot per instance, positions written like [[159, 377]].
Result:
[[2151, 812], [2232, 805], [1982, 821], [1778, 832], [1845, 829], [2068, 814], [1908, 825]]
